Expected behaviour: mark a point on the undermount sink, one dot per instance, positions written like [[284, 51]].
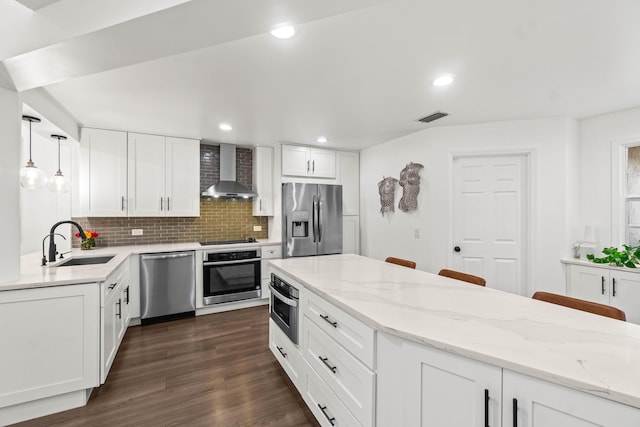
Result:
[[86, 261]]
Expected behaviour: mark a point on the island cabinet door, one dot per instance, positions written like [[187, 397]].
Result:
[[530, 402], [422, 386]]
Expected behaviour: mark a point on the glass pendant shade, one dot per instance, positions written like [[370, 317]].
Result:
[[58, 183], [32, 178]]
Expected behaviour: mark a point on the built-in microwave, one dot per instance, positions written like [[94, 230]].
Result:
[[284, 306]]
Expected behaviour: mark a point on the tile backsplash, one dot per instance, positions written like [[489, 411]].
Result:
[[219, 219]]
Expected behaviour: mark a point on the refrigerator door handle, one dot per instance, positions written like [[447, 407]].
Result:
[[314, 220], [319, 216]]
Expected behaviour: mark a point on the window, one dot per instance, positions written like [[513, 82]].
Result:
[[632, 199]]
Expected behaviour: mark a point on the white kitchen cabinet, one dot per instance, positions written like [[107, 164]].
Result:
[[422, 386], [351, 234], [262, 178], [542, 404], [287, 354], [50, 340], [298, 160], [114, 316], [349, 177], [268, 252], [163, 176], [103, 172], [609, 286]]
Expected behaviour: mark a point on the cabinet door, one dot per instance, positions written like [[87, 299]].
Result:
[[103, 168], [351, 234], [110, 331], [263, 181], [49, 340], [323, 163], [146, 157], [588, 283], [543, 404], [182, 177], [423, 386], [295, 160], [349, 178], [624, 294]]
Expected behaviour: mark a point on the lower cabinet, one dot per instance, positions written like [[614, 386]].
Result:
[[287, 354], [115, 314], [351, 234], [423, 386], [49, 346]]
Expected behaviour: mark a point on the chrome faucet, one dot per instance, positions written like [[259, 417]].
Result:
[[52, 233]]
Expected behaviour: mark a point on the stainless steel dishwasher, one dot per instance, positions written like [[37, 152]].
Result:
[[167, 286]]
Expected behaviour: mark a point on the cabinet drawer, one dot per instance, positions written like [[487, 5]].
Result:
[[111, 284], [286, 353], [327, 408], [351, 381], [349, 332], [273, 252]]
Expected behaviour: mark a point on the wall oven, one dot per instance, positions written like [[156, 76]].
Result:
[[284, 307], [231, 275]]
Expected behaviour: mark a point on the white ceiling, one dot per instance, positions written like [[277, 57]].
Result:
[[358, 72]]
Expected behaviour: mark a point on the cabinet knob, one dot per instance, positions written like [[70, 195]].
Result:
[[456, 248]]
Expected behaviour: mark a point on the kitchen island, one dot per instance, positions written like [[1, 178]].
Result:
[[446, 352]]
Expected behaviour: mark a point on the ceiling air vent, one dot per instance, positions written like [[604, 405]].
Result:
[[435, 116]]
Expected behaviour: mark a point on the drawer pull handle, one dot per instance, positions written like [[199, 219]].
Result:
[[326, 319], [127, 293], [119, 313], [331, 419], [602, 285], [281, 352], [486, 408], [325, 360], [515, 412], [113, 285]]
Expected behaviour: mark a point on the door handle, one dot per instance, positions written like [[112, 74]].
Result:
[[486, 408], [515, 412], [602, 285], [168, 200], [456, 249], [614, 287], [161, 203]]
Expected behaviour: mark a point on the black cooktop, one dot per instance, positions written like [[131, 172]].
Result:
[[228, 242]]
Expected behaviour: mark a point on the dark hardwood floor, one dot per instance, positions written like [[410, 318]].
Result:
[[213, 370]]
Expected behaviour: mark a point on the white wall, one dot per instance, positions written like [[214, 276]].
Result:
[[10, 113], [40, 209], [600, 139], [551, 144]]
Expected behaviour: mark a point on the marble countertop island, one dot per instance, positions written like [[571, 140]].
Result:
[[591, 353]]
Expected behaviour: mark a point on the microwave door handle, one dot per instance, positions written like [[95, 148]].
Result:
[[290, 302], [240, 261]]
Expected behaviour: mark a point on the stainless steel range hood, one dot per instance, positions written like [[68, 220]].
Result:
[[228, 187]]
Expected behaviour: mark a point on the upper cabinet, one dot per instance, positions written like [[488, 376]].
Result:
[[164, 176], [262, 177], [138, 175], [307, 161], [103, 172]]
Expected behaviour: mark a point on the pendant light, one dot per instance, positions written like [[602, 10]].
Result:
[[58, 183], [31, 178]]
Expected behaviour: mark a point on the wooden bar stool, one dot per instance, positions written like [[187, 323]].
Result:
[[580, 304], [400, 261], [476, 280]]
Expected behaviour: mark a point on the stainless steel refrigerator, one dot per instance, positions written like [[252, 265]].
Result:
[[311, 219]]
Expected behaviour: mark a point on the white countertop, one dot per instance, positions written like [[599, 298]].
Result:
[[595, 354], [587, 263], [33, 275]]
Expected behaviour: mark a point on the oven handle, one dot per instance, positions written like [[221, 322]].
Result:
[[290, 302], [241, 261]]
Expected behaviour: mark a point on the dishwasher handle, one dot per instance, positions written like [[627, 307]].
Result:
[[167, 256]]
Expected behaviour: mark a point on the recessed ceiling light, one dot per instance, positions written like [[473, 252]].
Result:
[[225, 127], [322, 139], [284, 32], [443, 80]]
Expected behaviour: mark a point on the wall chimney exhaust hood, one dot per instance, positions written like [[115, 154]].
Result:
[[228, 187]]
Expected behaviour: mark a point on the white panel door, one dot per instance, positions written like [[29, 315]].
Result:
[[349, 178], [351, 234], [588, 283], [295, 160], [103, 168], [182, 177], [489, 219], [323, 163], [146, 175], [624, 293]]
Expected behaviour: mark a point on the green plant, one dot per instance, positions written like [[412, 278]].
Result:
[[629, 256]]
